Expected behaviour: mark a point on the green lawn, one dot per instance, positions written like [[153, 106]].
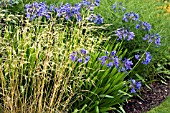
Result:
[[163, 108]]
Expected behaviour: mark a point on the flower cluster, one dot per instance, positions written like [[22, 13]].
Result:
[[147, 58], [37, 10], [144, 25], [153, 38], [135, 85], [67, 11], [112, 60], [118, 7], [97, 2], [97, 19], [139, 24], [130, 16], [80, 56], [124, 33]]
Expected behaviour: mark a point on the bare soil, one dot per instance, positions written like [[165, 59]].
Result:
[[151, 98]]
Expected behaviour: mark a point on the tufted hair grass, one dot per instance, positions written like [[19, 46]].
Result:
[[36, 73]]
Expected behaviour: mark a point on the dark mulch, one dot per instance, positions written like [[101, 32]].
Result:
[[151, 98]]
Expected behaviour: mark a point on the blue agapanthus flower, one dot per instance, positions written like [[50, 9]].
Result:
[[128, 63], [110, 64], [147, 58], [118, 7], [124, 34], [87, 58], [37, 10], [111, 58], [146, 26], [137, 26], [97, 2], [138, 85], [73, 56], [81, 56], [97, 19], [133, 90], [134, 85], [137, 56], [156, 38], [130, 17]]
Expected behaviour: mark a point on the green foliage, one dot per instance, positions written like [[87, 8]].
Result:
[[108, 89], [150, 12]]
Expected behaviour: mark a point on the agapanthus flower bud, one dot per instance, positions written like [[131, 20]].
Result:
[[133, 90]]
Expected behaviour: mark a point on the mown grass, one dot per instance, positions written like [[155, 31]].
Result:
[[164, 107]]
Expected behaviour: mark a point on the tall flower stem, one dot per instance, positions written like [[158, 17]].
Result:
[[139, 60]]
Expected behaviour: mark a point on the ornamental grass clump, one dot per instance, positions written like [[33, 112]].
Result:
[[68, 59]]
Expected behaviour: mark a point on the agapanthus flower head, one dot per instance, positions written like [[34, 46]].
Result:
[[85, 3], [80, 60], [97, 2], [157, 40], [124, 33], [116, 61], [132, 90], [103, 59], [37, 10], [130, 35], [73, 56], [83, 51], [76, 9], [137, 26], [146, 37], [113, 53], [138, 85], [147, 59], [135, 85], [114, 7], [137, 56], [97, 19], [133, 81], [153, 38], [110, 58], [130, 16], [146, 26], [80, 56], [128, 63], [87, 58], [117, 7]]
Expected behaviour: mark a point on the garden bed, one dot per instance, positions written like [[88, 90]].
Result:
[[74, 57], [151, 98]]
